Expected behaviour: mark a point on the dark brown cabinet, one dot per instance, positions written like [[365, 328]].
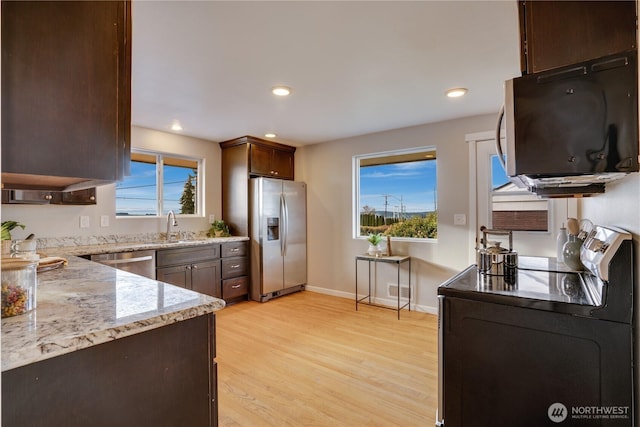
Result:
[[270, 162], [242, 159], [162, 377], [66, 93], [558, 33], [235, 285], [196, 268]]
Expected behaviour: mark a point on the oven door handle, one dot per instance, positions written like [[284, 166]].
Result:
[[440, 409]]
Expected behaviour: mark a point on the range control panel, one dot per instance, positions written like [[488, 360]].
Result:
[[599, 247]]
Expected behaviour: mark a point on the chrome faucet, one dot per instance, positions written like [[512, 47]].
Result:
[[171, 223]]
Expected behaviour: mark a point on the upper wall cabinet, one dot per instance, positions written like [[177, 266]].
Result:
[[275, 161], [265, 158], [242, 159], [558, 33], [66, 93]]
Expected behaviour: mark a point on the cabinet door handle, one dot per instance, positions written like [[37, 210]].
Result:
[[235, 249], [235, 266], [235, 286], [195, 267], [187, 267]]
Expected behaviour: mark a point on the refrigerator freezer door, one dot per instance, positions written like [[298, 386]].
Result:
[[270, 241], [294, 209]]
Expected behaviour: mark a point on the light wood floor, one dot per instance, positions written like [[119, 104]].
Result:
[[309, 359]]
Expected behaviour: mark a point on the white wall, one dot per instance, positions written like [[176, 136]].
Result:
[[63, 221], [327, 170]]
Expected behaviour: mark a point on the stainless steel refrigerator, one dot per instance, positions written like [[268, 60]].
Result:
[[278, 232]]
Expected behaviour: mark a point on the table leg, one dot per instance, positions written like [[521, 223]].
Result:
[[369, 294], [356, 284], [398, 291], [409, 284]]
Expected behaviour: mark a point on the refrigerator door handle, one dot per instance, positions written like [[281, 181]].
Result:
[[284, 214]]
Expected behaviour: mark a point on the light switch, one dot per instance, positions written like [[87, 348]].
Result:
[[84, 221], [104, 220], [459, 219]]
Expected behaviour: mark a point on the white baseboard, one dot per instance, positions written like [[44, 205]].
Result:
[[381, 301]]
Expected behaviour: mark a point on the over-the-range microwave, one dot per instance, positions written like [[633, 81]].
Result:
[[573, 127]]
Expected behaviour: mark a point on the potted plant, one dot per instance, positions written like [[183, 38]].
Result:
[[374, 244], [5, 234], [219, 229]]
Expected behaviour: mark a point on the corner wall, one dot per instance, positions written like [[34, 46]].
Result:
[[327, 169]]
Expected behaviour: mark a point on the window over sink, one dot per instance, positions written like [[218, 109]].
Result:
[[159, 183]]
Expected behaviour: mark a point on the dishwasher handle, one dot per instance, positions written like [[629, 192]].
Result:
[[122, 261]]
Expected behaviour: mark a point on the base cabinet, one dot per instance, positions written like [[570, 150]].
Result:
[[217, 270], [234, 269], [163, 377], [195, 268]]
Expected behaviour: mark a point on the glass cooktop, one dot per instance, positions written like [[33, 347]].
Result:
[[538, 280]]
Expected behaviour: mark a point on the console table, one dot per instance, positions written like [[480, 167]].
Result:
[[395, 259]]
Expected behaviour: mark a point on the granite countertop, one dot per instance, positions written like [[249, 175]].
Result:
[[84, 303], [130, 246]]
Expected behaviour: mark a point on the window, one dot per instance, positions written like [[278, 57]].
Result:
[[396, 194], [513, 208], [159, 183]]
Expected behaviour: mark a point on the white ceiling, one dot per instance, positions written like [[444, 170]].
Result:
[[355, 67]]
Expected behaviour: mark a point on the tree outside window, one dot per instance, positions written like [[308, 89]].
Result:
[[159, 183]]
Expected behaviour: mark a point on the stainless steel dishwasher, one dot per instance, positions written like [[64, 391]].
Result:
[[142, 263]]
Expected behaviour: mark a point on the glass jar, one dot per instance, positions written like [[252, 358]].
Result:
[[571, 253], [19, 279]]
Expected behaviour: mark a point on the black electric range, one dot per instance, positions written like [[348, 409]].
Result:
[[545, 346]]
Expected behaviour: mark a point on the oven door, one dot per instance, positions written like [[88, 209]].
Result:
[[516, 366]]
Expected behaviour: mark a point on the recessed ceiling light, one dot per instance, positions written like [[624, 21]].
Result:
[[456, 92], [176, 126], [269, 135], [281, 90]]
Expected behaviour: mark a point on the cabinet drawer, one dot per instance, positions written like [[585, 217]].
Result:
[[234, 267], [188, 255], [232, 288], [234, 249]]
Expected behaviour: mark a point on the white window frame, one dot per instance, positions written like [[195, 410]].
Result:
[[356, 207], [160, 155]]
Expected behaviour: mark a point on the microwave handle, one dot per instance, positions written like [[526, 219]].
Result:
[[498, 144]]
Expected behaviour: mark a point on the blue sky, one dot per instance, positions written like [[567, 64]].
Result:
[[498, 174], [414, 183], [140, 189]]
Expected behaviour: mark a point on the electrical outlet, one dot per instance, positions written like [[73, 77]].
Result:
[[104, 220], [212, 218], [84, 221], [459, 219]]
